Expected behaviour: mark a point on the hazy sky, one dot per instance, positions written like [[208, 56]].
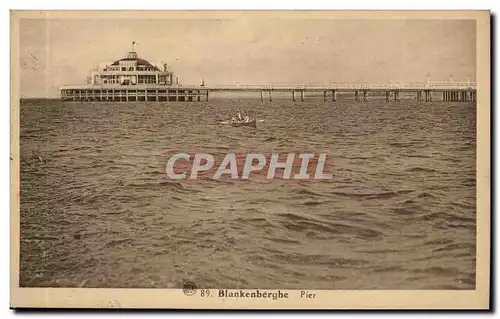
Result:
[[55, 52]]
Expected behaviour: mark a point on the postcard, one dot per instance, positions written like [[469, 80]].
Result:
[[250, 159]]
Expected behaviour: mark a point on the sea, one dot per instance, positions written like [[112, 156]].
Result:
[[98, 210]]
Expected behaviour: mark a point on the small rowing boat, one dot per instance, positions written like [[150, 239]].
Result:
[[252, 123]]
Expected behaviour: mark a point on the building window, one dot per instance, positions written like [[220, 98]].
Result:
[[131, 69], [150, 79], [105, 81]]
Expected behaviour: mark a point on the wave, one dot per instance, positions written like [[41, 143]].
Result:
[[449, 217], [282, 240], [471, 247], [312, 227], [270, 139], [440, 271], [417, 156], [326, 260], [400, 144], [381, 195], [254, 221], [308, 192], [421, 169], [361, 157], [425, 195], [117, 242], [385, 269], [313, 203]]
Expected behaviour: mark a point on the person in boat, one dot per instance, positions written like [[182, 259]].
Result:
[[240, 115]]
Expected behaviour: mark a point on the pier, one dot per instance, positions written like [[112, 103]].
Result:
[[132, 79], [420, 92], [429, 92]]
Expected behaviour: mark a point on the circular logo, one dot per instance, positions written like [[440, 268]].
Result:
[[189, 288]]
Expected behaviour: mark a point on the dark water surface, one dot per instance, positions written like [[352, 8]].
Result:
[[98, 211]]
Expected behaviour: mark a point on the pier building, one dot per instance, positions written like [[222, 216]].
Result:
[[132, 79]]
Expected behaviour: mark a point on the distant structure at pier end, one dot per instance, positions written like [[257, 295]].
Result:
[[131, 70], [131, 79]]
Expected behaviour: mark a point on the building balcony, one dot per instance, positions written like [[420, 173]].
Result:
[[102, 72]]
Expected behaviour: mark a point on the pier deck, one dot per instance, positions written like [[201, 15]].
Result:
[[444, 91]]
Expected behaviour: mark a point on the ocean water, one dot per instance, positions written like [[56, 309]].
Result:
[[97, 209]]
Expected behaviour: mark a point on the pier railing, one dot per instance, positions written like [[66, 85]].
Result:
[[446, 85]]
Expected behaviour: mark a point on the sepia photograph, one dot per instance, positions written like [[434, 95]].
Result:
[[250, 159]]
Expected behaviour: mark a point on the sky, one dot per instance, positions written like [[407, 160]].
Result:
[[249, 50]]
